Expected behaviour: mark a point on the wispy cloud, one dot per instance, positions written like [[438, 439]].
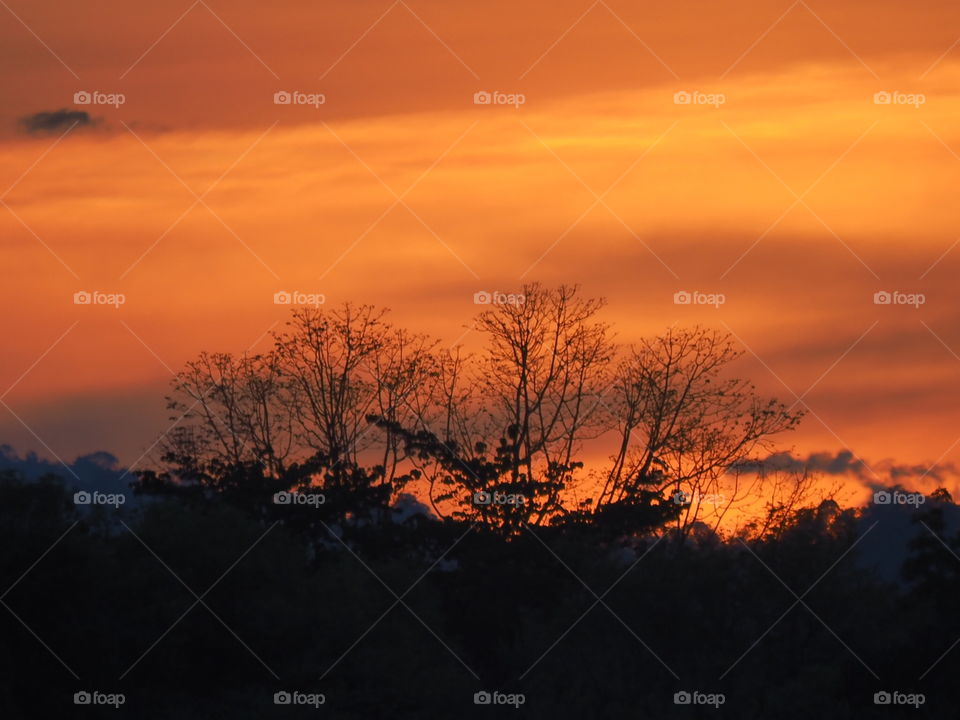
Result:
[[55, 121]]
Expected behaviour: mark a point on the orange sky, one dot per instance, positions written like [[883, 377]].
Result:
[[797, 198]]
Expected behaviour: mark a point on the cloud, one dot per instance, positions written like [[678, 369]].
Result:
[[886, 550], [95, 471], [56, 121], [841, 463], [845, 462]]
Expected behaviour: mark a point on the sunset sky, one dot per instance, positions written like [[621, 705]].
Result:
[[785, 185]]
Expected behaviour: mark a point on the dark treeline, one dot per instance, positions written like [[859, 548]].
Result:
[[346, 402], [364, 514]]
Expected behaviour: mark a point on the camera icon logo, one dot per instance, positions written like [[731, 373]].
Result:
[[882, 698], [281, 498], [681, 498], [682, 98], [682, 698], [282, 298], [682, 297], [482, 97], [882, 98], [82, 498], [482, 498], [881, 497], [482, 698], [282, 698], [82, 97], [282, 97], [882, 297], [482, 298], [82, 297], [82, 698]]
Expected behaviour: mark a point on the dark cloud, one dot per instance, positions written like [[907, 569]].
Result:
[[885, 550], [845, 462], [56, 121], [840, 463], [96, 471]]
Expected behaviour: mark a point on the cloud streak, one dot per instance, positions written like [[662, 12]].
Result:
[[846, 463], [55, 121]]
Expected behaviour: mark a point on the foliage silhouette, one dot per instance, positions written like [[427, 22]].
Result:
[[596, 590]]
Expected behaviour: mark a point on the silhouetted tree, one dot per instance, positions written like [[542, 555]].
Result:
[[682, 423], [495, 438]]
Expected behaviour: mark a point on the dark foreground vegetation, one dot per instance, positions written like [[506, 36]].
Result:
[[359, 516], [284, 605]]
